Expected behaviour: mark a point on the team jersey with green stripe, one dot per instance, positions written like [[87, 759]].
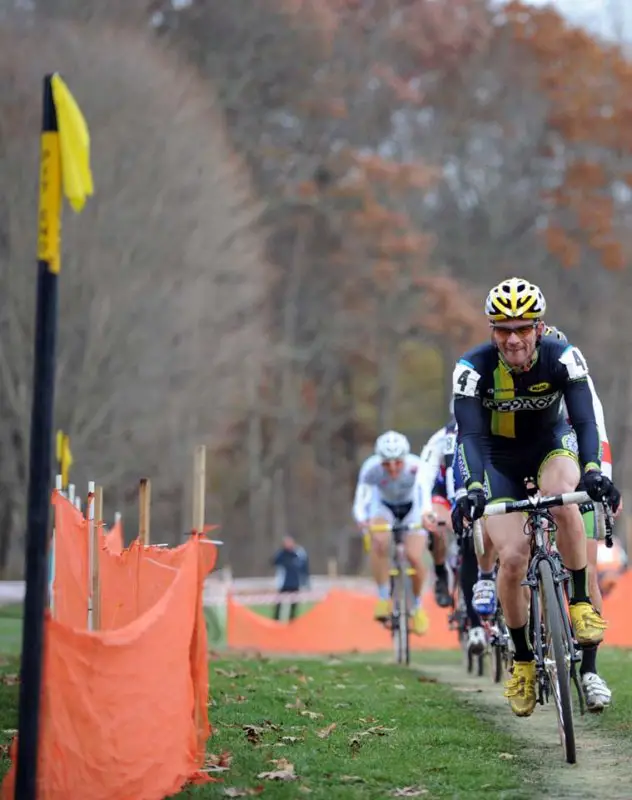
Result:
[[505, 409]]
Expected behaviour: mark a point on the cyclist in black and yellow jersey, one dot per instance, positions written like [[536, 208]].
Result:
[[508, 395]]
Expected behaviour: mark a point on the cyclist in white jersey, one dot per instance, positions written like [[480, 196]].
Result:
[[598, 695], [388, 491]]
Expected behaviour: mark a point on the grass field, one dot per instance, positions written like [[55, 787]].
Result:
[[358, 728], [341, 730]]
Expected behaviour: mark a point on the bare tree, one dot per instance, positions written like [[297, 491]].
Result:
[[162, 282]]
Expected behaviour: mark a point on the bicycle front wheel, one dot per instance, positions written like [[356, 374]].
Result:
[[557, 659]]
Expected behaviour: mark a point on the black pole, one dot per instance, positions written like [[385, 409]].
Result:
[[41, 461]]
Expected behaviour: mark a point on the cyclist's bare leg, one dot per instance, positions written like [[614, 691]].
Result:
[[487, 561], [561, 474], [439, 553], [593, 583], [512, 546], [380, 552], [415, 545], [439, 546], [598, 695]]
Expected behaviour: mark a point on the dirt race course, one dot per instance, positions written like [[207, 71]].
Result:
[[602, 771]]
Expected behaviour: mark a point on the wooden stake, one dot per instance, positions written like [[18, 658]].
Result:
[[199, 487], [144, 503], [92, 553], [97, 534]]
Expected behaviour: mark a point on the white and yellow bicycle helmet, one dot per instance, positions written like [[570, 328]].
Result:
[[515, 298]]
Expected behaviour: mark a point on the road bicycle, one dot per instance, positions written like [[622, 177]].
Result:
[[402, 600], [553, 641]]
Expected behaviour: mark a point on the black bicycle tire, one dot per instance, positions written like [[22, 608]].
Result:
[[555, 627], [405, 629], [497, 668], [396, 620]]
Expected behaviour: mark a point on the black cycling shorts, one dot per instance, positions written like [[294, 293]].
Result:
[[506, 467], [399, 510]]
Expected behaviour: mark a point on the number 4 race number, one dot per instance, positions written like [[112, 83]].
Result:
[[575, 363], [465, 380]]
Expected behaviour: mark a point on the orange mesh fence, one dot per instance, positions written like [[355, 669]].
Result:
[[114, 538], [616, 611], [341, 623], [70, 584], [124, 709]]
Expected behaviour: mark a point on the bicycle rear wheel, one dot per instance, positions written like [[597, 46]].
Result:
[[558, 667]]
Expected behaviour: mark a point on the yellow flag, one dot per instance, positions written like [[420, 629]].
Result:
[[74, 144], [64, 457]]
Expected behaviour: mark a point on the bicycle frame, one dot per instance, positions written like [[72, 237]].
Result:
[[555, 647], [400, 601]]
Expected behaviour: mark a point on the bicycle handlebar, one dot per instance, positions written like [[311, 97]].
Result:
[[538, 503], [397, 526]]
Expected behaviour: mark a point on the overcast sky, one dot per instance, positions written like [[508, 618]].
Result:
[[610, 18]]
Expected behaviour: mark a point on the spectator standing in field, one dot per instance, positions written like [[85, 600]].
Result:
[[292, 572]]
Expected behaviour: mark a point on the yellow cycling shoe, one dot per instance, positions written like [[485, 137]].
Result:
[[588, 624], [520, 688], [382, 609], [420, 622]]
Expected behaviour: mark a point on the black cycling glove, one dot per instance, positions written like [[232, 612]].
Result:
[[599, 487], [470, 507]]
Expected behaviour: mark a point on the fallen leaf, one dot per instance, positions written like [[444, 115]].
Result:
[[298, 703], [342, 705], [426, 679], [279, 775], [305, 789], [289, 670], [222, 760], [282, 763], [253, 733], [324, 733], [506, 756], [228, 674], [10, 680], [340, 686], [351, 779], [377, 730], [409, 791], [399, 686], [311, 714], [367, 719], [233, 791], [291, 739], [355, 742]]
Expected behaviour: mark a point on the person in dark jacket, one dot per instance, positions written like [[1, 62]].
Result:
[[292, 572]]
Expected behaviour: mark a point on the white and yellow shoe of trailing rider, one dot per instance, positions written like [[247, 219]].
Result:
[[598, 695], [476, 640]]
